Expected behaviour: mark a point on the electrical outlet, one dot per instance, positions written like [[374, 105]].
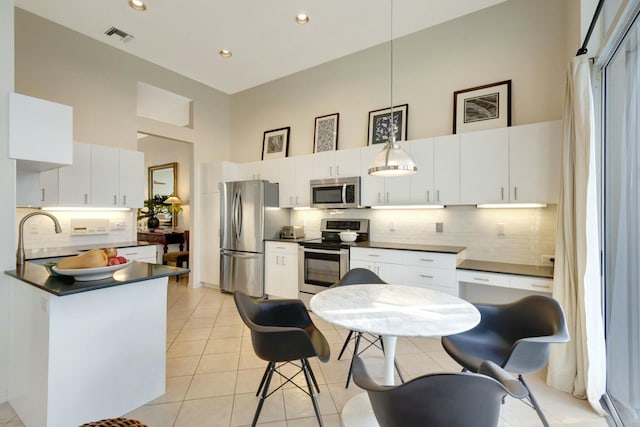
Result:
[[500, 229], [392, 226], [439, 227], [548, 259]]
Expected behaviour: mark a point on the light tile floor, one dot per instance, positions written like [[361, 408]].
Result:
[[213, 373]]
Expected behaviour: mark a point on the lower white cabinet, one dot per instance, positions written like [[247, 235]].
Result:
[[386, 263], [429, 270], [281, 269], [145, 253]]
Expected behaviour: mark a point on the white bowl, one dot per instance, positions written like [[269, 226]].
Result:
[[348, 236]]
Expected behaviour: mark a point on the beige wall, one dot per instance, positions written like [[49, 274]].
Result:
[[521, 40], [55, 63]]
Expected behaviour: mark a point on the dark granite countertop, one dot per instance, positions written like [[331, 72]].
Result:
[[411, 247], [39, 253], [38, 276], [506, 268], [287, 240]]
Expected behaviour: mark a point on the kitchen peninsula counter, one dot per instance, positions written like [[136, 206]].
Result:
[[507, 268], [86, 351], [38, 276], [411, 247]]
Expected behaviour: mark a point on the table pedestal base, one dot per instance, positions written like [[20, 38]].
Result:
[[357, 412]]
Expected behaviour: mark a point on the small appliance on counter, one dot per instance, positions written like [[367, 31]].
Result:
[[292, 232], [322, 262]]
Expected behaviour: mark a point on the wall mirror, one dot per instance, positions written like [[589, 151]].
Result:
[[163, 179]]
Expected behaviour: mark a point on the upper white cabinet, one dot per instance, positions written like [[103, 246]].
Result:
[[422, 192], [336, 164], [266, 169], [105, 176], [484, 166], [40, 133], [534, 162], [74, 182], [376, 190], [294, 174], [446, 170], [132, 178], [519, 164]]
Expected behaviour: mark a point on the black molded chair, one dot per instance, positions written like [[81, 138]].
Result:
[[282, 333], [360, 276], [515, 336], [453, 399]]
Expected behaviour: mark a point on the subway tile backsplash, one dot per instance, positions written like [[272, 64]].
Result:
[[519, 236]]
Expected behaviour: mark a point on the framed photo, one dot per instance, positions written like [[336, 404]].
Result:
[[380, 124], [325, 135], [275, 143], [482, 107]]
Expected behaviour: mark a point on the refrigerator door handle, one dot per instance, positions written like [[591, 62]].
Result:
[[233, 213], [239, 254], [239, 215]]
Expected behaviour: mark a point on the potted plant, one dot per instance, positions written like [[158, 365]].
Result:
[[152, 207]]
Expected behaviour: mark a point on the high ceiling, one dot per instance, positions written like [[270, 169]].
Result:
[[186, 35]]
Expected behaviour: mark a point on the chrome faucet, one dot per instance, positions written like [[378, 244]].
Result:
[[20, 252]]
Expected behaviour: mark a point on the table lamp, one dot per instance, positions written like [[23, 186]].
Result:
[[173, 200]]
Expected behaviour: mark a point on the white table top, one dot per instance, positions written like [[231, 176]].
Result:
[[395, 310]]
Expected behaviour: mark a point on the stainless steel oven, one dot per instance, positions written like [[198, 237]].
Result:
[[323, 262]]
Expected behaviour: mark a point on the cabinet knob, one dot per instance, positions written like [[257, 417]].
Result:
[[124, 199], [515, 193], [42, 195], [115, 200], [338, 170], [501, 193], [428, 196], [86, 199], [438, 196]]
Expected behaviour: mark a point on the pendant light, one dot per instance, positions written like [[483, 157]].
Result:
[[392, 160]]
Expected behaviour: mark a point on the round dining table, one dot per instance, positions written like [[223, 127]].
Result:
[[391, 311]]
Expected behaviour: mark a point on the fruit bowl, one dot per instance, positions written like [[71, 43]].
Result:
[[86, 274], [348, 236]]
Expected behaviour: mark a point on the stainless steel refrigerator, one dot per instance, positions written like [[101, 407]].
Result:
[[249, 214]]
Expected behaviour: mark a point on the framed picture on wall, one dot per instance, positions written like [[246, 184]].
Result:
[[380, 124], [275, 143], [482, 107], [325, 135]]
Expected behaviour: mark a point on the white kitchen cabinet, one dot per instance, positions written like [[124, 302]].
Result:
[[446, 170], [386, 263], [431, 270], [336, 164], [421, 183], [74, 182], [36, 189], [40, 133], [484, 166], [143, 253], [376, 190], [499, 288], [519, 164], [105, 176], [281, 269], [131, 179], [294, 174], [266, 169], [534, 162]]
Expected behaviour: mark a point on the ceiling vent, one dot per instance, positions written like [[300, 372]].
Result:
[[124, 37]]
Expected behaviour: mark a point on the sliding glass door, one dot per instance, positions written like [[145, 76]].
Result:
[[621, 227]]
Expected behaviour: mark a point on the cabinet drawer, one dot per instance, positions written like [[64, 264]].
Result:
[[282, 248], [532, 284], [139, 253], [488, 279], [388, 256], [429, 277], [430, 259]]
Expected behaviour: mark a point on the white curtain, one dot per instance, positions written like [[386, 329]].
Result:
[[579, 367]]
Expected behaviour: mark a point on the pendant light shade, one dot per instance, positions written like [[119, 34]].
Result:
[[392, 160]]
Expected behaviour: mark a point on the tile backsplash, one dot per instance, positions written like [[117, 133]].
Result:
[[519, 236], [39, 230]]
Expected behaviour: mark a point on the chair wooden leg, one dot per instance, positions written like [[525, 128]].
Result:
[[265, 391], [307, 374], [344, 346], [534, 402], [355, 353]]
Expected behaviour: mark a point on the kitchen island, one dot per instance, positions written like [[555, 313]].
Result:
[[84, 351]]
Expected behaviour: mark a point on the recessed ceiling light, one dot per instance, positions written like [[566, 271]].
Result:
[[225, 53], [302, 18], [138, 5]]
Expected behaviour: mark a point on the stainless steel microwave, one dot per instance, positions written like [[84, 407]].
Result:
[[335, 193]]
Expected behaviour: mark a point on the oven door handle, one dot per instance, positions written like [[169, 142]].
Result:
[[325, 251]]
